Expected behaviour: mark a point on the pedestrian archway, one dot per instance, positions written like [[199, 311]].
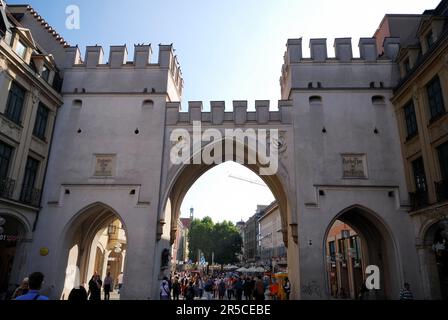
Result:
[[434, 259], [180, 178], [355, 239], [96, 243], [12, 240]]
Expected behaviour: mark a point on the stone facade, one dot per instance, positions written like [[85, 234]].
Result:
[[338, 150]]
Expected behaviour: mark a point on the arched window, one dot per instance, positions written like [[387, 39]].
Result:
[[148, 104]]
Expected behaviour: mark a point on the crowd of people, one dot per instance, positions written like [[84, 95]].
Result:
[[221, 286], [30, 287], [185, 286]]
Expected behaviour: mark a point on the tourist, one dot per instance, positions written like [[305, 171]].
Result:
[[165, 293], [406, 293], [287, 288], [176, 289], [22, 289], [107, 286], [120, 282], [95, 287], [78, 294], [35, 281]]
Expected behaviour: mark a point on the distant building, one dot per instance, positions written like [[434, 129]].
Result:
[[240, 226], [251, 232], [180, 251], [272, 250], [345, 263]]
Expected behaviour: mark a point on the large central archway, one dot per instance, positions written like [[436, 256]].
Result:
[[182, 177]]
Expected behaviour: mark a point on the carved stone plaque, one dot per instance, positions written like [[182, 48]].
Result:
[[104, 165], [354, 166]]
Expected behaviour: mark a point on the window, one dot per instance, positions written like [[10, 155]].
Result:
[[435, 98], [315, 100], [419, 175], [28, 194], [40, 125], [332, 249], [45, 73], [5, 158], [14, 106], [429, 39], [411, 121], [21, 49], [442, 151]]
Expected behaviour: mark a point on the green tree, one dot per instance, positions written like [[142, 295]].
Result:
[[221, 239], [200, 238], [227, 243]]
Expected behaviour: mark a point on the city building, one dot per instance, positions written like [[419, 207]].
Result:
[[179, 255], [272, 250], [345, 262], [251, 236], [240, 226], [421, 102], [30, 84]]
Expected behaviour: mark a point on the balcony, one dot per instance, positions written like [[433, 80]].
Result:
[[419, 199], [442, 190], [7, 187], [30, 196]]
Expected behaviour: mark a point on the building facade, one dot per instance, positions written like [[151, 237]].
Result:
[[29, 99], [272, 250], [345, 262], [339, 155], [420, 101], [251, 237]]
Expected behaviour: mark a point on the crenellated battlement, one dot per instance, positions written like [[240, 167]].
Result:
[[239, 115], [319, 71], [342, 50], [94, 63]]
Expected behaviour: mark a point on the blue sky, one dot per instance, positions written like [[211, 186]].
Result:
[[228, 50]]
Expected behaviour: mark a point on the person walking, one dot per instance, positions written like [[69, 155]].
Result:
[[165, 293], [406, 293], [78, 294], [239, 289], [176, 289], [287, 288], [107, 286], [120, 282], [95, 287], [259, 289], [35, 281]]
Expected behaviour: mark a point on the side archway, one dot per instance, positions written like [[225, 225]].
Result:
[[363, 240], [91, 236]]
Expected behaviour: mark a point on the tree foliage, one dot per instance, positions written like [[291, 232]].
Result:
[[222, 239]]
